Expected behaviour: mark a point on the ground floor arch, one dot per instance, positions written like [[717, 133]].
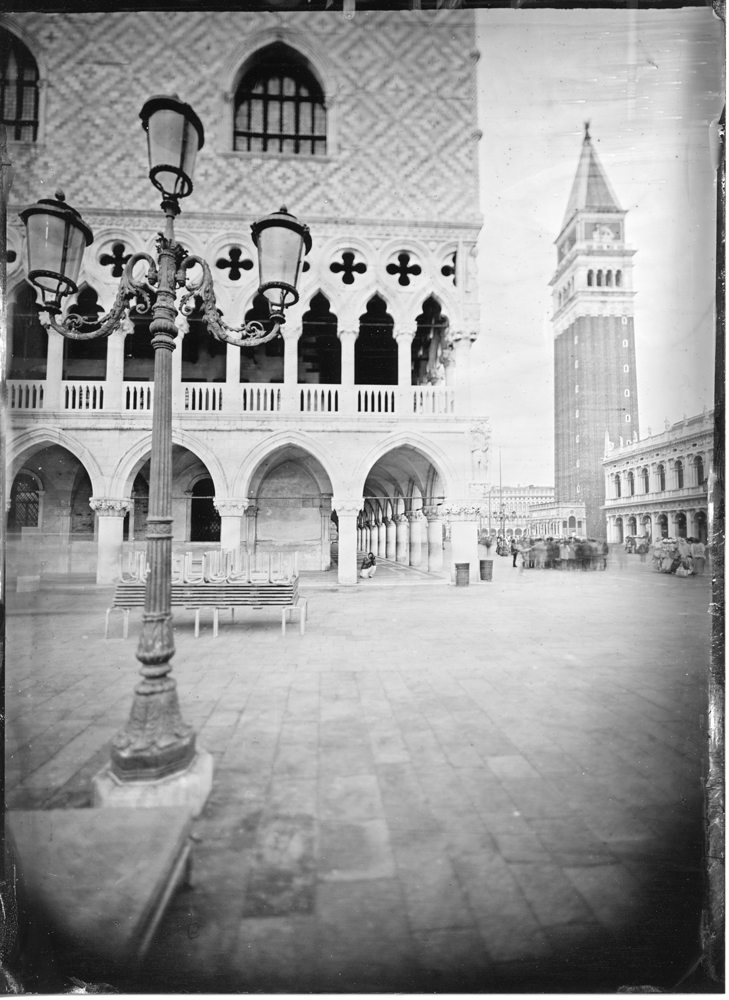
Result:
[[50, 522], [289, 507], [402, 514]]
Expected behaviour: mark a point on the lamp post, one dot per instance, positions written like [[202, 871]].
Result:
[[156, 743]]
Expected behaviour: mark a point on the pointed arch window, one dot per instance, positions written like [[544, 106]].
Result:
[[279, 105], [29, 338], [25, 502], [18, 89]]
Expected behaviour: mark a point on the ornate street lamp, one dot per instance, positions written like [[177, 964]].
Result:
[[156, 742]]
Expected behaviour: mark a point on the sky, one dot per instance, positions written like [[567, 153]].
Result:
[[651, 84]]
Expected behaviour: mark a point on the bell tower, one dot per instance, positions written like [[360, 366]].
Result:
[[595, 388]]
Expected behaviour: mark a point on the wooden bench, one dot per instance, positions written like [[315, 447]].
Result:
[[216, 597]]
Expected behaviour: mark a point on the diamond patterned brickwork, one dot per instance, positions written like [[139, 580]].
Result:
[[402, 91]]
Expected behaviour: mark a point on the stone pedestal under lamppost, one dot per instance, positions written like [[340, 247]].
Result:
[[154, 758]]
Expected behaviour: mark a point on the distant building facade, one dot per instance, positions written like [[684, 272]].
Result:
[[659, 486], [595, 387], [560, 520], [509, 509]]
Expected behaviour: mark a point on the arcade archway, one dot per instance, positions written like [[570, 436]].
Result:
[[290, 508]]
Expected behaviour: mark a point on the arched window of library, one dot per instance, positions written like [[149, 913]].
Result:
[[679, 474], [280, 105], [646, 480], [661, 475], [699, 467], [631, 484], [19, 79]]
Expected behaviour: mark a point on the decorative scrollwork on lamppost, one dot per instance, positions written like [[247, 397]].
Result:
[[155, 742]]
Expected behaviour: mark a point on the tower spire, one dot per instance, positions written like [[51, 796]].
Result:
[[591, 190]]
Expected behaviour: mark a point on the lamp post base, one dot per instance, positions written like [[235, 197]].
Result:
[[190, 787]]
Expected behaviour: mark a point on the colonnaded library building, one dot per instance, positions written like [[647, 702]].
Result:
[[357, 424]]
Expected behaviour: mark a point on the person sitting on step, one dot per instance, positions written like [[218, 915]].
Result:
[[369, 566]]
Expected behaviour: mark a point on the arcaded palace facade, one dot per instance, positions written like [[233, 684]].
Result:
[[659, 486], [358, 424]]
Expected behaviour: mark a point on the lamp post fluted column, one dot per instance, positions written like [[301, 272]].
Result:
[[155, 741]]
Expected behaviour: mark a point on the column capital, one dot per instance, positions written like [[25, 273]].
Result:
[[348, 334], [291, 331], [463, 512], [346, 505], [231, 506], [250, 509], [403, 333], [110, 506], [459, 336], [414, 515], [433, 513]]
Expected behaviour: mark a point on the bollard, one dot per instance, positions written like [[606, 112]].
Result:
[[462, 574], [486, 567]]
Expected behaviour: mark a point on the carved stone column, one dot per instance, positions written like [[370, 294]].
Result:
[[347, 338], [53, 389], [114, 385], [325, 510], [372, 536], [402, 553], [391, 539], [381, 539], [110, 512], [415, 520], [404, 340], [231, 392], [347, 511], [435, 539], [462, 347], [447, 359], [291, 336], [232, 510], [251, 515]]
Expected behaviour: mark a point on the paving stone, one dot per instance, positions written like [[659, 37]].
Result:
[[549, 893], [453, 958], [346, 797], [282, 878], [611, 891], [355, 850], [433, 894]]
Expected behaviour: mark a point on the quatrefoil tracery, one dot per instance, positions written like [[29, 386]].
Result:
[[404, 269], [348, 268], [116, 260], [234, 264]]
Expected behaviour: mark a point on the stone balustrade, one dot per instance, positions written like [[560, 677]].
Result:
[[200, 398]]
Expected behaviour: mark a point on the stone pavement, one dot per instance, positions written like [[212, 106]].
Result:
[[490, 788]]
